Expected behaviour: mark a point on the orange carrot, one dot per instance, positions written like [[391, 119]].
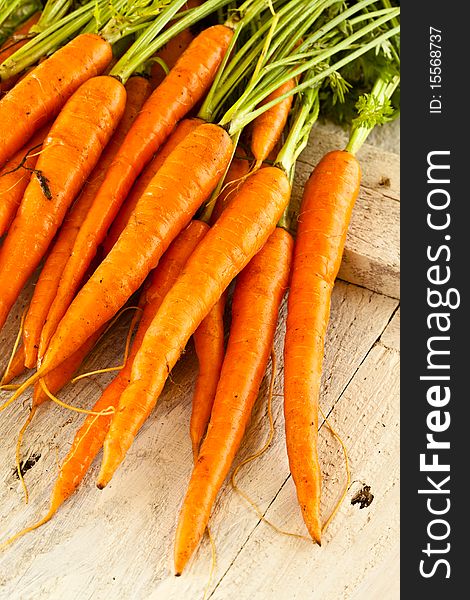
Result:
[[14, 178], [182, 88], [42, 93], [163, 211], [179, 133], [70, 151], [267, 128], [209, 336], [327, 203], [159, 282], [241, 231], [209, 344], [85, 447], [89, 439], [258, 293], [45, 291], [12, 44], [16, 368]]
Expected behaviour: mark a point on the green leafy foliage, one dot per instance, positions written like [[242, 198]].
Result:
[[372, 110]]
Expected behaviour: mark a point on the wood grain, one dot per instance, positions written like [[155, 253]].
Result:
[[126, 531]]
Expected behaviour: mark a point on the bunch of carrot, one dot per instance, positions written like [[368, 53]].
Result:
[[113, 184]]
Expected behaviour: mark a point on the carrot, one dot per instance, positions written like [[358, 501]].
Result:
[[268, 127], [16, 368], [159, 282], [241, 231], [258, 293], [179, 133], [61, 375], [46, 289], [86, 445], [89, 438], [15, 176], [209, 336], [163, 211], [327, 202], [70, 151], [171, 51], [12, 44], [42, 93], [179, 92], [209, 344]]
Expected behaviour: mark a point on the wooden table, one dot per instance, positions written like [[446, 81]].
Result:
[[117, 543]]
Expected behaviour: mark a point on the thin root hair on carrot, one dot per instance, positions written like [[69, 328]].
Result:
[[26, 530], [13, 352], [233, 186], [107, 411], [85, 433], [258, 453], [213, 563], [12, 187], [42, 179], [23, 160], [266, 445], [126, 349], [348, 472]]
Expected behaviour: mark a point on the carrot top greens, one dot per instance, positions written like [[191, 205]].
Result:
[[113, 21], [312, 46], [13, 13], [55, 35]]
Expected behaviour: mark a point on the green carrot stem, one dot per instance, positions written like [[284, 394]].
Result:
[[246, 15], [54, 36], [289, 152], [238, 117], [370, 15], [291, 35], [388, 4], [206, 112], [114, 29], [261, 93], [153, 38], [7, 9], [331, 49], [53, 11], [375, 110], [248, 54], [297, 140]]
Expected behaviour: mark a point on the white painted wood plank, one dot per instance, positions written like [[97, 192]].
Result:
[[118, 542]]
